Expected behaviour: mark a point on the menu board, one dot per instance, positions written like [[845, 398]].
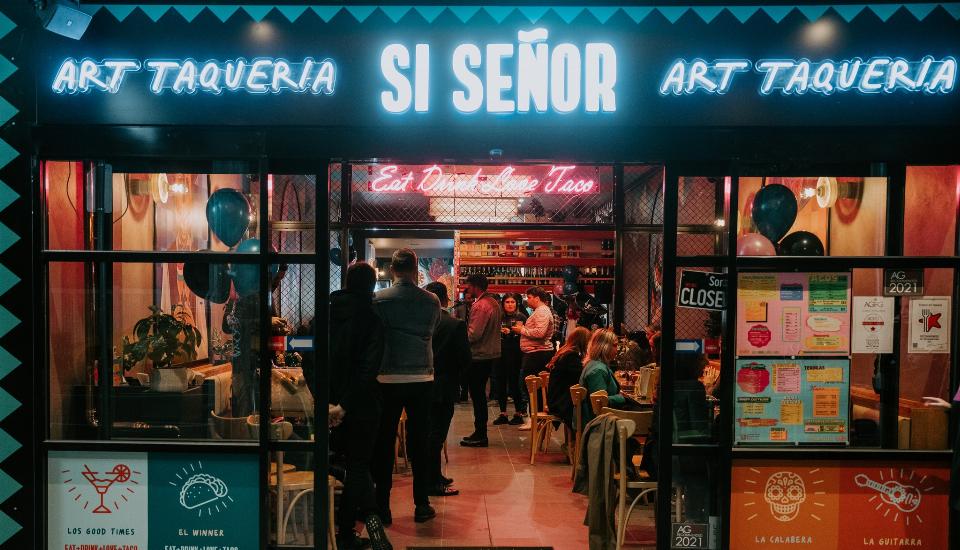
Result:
[[138, 501], [792, 401], [834, 505], [790, 314]]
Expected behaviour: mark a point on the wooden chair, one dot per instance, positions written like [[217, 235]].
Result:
[[629, 424], [598, 400], [278, 430], [539, 421], [577, 394], [544, 386], [228, 427], [401, 446]]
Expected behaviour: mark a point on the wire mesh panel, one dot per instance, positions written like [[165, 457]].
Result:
[[294, 295], [699, 200], [335, 191], [548, 194], [336, 260], [642, 284], [698, 244], [293, 213], [643, 194]]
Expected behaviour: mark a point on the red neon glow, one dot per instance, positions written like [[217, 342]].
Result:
[[483, 181]]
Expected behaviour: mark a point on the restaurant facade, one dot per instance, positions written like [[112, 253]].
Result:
[[777, 187]]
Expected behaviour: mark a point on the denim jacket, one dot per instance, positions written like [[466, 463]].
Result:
[[410, 316]]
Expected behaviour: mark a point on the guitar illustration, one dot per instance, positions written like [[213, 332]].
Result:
[[905, 497]]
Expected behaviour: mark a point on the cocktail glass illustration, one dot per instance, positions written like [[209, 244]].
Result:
[[119, 473]]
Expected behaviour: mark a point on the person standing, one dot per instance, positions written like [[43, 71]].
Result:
[[483, 331], [451, 356], [535, 337], [410, 316], [507, 368], [356, 351]]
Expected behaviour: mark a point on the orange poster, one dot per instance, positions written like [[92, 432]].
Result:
[[835, 505]]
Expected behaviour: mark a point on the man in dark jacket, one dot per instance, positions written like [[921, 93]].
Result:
[[409, 315], [356, 351], [483, 331], [451, 356]]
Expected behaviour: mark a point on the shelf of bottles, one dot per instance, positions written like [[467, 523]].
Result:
[[512, 264]]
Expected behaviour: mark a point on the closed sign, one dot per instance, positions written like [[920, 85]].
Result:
[[702, 290]]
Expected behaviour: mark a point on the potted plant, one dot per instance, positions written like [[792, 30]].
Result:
[[167, 340]]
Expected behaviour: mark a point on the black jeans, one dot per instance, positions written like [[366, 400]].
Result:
[[415, 398], [479, 373], [507, 380], [441, 414], [355, 438], [533, 363]]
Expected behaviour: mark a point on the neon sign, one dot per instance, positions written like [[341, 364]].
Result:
[[480, 181], [563, 78], [188, 76], [798, 77]]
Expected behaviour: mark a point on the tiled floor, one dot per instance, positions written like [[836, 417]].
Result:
[[503, 501]]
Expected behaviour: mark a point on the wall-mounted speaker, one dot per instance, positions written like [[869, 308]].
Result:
[[65, 19]]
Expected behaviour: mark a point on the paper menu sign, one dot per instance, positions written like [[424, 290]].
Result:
[[929, 325], [793, 314], [791, 401], [872, 324]]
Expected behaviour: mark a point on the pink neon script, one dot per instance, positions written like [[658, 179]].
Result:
[[437, 182]]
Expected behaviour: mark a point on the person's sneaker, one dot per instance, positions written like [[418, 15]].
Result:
[[500, 420], [378, 537], [475, 442], [444, 480], [423, 513], [516, 420], [526, 424], [441, 490]]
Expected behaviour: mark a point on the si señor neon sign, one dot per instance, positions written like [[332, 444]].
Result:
[[187, 76], [437, 181], [798, 77], [562, 78]]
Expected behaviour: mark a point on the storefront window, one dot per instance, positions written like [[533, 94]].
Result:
[[293, 212], [812, 216], [932, 206]]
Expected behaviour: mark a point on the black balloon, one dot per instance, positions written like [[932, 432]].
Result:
[[774, 211], [228, 214], [208, 281], [569, 288], [801, 243], [570, 273], [336, 257]]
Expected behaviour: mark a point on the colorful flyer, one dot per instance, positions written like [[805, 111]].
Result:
[[872, 324], [793, 401], [152, 500], [793, 314], [929, 325], [838, 505]]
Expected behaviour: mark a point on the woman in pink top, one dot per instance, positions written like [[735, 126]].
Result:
[[535, 337]]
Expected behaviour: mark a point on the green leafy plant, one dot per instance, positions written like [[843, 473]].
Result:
[[161, 338]]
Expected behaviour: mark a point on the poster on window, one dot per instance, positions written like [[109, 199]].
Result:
[[833, 505], [792, 401], [789, 314], [139, 501], [929, 325], [872, 324]]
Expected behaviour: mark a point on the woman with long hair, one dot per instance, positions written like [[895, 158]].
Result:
[[565, 368], [596, 375], [506, 379]]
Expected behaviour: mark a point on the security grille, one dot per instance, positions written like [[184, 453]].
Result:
[[699, 200], [336, 268], [335, 190], [293, 213], [643, 194]]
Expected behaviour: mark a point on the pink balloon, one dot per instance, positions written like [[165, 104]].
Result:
[[755, 244]]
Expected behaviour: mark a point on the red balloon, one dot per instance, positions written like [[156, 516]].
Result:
[[755, 244]]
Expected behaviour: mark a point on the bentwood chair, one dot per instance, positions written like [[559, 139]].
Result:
[[577, 394], [540, 422], [629, 425], [598, 400], [544, 386]]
